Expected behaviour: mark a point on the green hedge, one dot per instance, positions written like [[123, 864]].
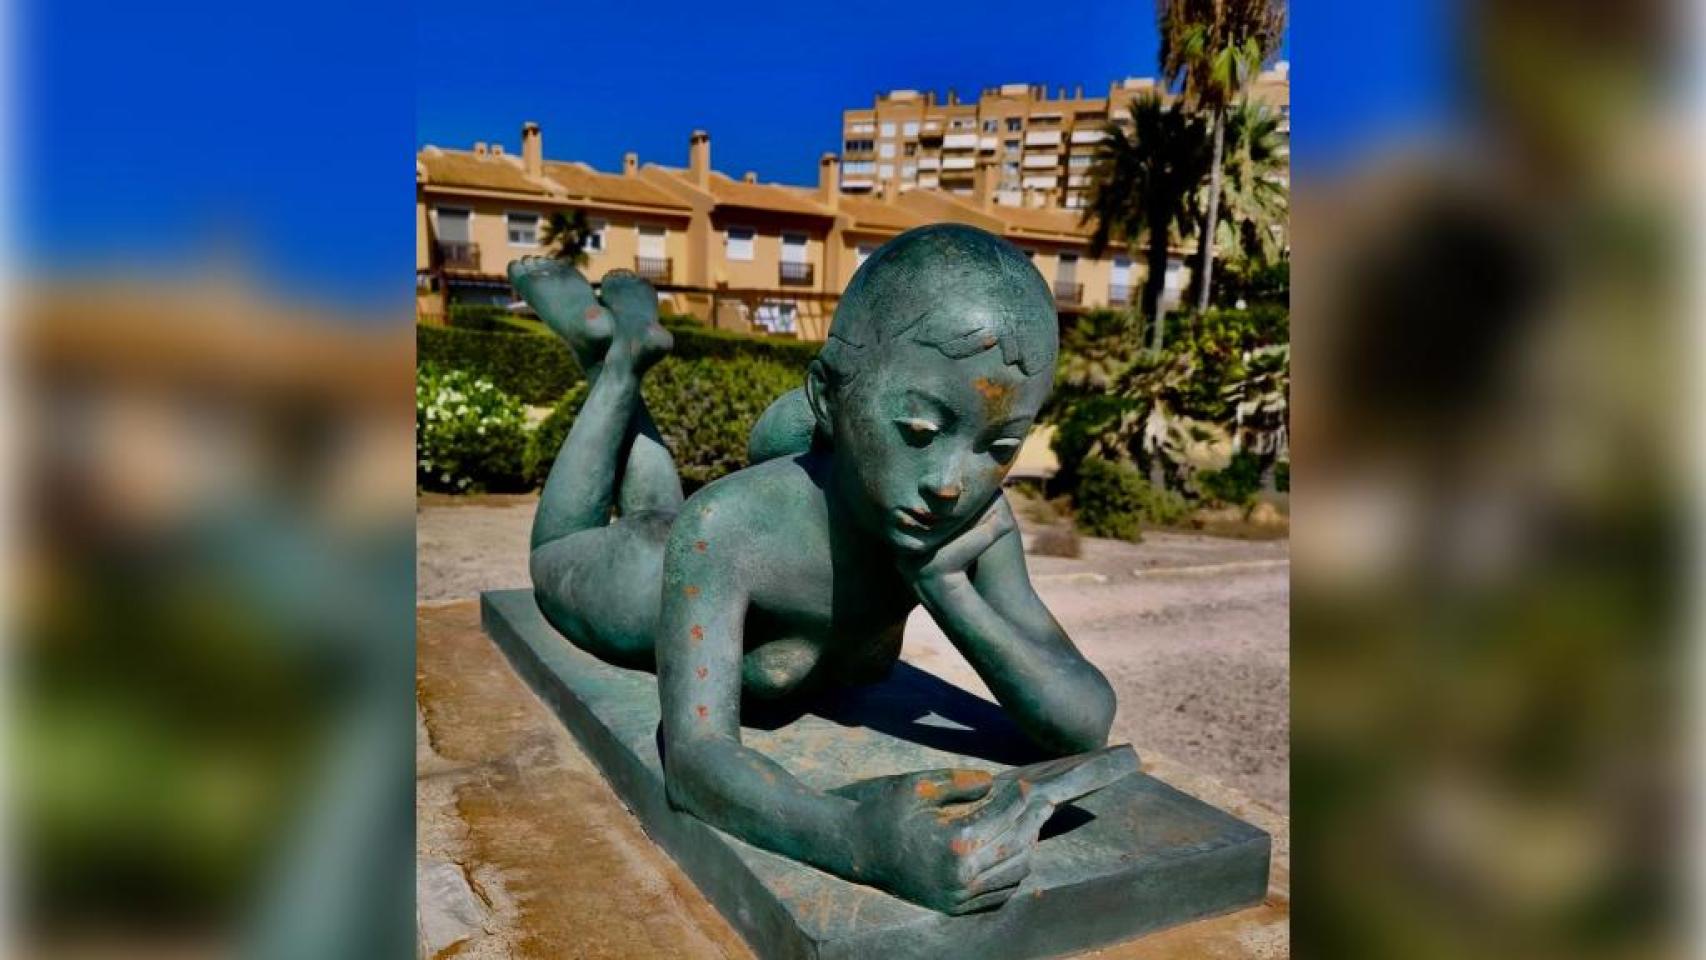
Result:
[[704, 407], [1117, 500], [539, 369]]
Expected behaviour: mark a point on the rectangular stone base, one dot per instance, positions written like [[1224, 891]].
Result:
[[1133, 858]]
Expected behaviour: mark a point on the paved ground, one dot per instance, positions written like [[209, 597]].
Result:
[[1193, 631], [524, 851]]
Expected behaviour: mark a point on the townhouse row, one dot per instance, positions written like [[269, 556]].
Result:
[[736, 253]]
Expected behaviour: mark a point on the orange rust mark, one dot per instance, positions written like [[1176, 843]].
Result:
[[697, 633], [702, 672], [1024, 788], [927, 790], [988, 342], [699, 545], [997, 397], [703, 710], [591, 313], [967, 779], [690, 591], [962, 845]]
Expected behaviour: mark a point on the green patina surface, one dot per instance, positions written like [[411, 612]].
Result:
[[1132, 858]]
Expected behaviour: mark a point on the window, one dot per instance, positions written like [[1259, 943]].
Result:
[[859, 146], [885, 171], [1079, 160], [886, 151], [1012, 146], [739, 243], [1011, 166], [857, 166], [989, 126], [776, 316], [1014, 124], [523, 229], [454, 225], [911, 150], [595, 236], [863, 253], [888, 129], [908, 172], [910, 129]]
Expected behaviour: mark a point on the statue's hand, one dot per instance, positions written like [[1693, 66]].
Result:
[[949, 562], [925, 837]]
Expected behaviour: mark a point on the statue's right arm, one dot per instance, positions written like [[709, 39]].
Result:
[[707, 771]]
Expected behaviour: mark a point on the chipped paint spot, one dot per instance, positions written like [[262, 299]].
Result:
[[697, 633], [591, 313], [927, 790], [989, 342], [1024, 788], [962, 845], [699, 545], [690, 591], [702, 672], [703, 711], [967, 779], [997, 397]]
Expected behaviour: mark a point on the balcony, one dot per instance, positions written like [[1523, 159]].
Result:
[[795, 274], [655, 269], [459, 256], [1119, 294], [1066, 291]]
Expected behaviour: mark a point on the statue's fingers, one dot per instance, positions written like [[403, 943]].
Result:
[[984, 901], [1006, 873]]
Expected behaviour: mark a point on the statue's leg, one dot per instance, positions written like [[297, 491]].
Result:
[[591, 575], [645, 477]]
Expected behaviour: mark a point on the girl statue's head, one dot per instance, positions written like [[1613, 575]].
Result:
[[940, 355]]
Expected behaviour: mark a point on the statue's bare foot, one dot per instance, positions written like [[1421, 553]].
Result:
[[565, 301], [639, 336]]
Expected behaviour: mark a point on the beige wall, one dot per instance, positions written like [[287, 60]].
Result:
[[490, 231]]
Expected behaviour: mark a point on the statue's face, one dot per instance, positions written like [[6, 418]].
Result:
[[928, 439]]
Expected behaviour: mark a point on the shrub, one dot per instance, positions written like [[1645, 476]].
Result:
[[1236, 485], [1116, 500], [704, 407], [469, 435], [538, 367], [1282, 476]]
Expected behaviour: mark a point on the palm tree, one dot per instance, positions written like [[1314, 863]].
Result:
[[1143, 185], [566, 236], [1254, 196], [1210, 51]]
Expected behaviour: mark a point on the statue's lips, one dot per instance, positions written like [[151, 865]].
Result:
[[914, 519]]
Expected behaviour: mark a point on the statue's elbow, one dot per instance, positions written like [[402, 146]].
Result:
[[1091, 718]]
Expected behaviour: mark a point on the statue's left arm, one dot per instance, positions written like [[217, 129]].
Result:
[[977, 589]]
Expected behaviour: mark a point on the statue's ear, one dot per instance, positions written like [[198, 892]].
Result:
[[817, 394]]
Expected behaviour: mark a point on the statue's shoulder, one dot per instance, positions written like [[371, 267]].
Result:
[[775, 494]]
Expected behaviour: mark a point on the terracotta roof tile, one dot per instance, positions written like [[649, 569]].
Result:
[[580, 180], [870, 213], [764, 196], [456, 168]]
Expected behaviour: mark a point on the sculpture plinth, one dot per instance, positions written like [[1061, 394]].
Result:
[[1132, 858]]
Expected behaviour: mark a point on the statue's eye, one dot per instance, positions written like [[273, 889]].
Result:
[[917, 432], [1004, 449]]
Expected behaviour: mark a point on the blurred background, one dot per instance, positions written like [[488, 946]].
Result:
[[1493, 428], [211, 574]]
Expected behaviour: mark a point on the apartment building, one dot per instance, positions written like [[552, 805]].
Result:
[[736, 253], [1042, 146]]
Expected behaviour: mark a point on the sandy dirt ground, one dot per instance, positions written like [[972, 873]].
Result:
[[1193, 632]]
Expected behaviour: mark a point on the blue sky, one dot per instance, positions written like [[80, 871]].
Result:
[[282, 136], [767, 79]]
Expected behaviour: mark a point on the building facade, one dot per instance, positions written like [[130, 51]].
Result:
[[1042, 147], [734, 252]]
